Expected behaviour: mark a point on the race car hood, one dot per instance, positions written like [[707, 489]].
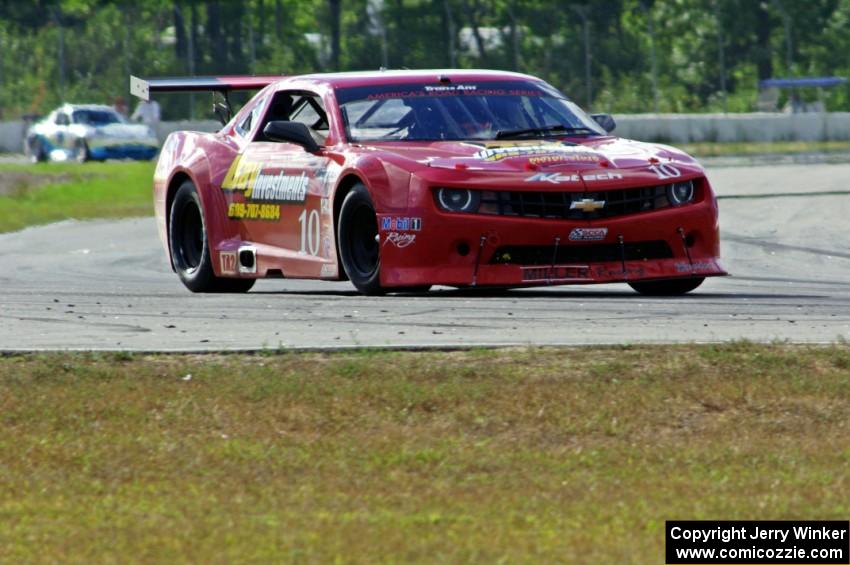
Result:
[[512, 156]]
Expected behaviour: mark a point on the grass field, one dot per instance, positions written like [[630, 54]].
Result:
[[526, 455], [44, 193]]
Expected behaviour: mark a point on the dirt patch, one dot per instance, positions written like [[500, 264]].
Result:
[[18, 183]]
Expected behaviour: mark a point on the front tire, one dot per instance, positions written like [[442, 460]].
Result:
[[358, 245], [81, 151], [674, 287], [190, 254], [36, 151]]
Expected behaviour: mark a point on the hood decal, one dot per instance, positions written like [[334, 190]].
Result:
[[545, 151]]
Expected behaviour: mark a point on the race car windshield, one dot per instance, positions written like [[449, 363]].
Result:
[[96, 117], [461, 111]]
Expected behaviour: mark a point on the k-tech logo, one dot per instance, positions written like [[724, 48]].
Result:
[[557, 178], [603, 176], [554, 178]]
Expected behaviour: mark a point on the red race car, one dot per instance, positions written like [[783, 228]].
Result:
[[399, 180]]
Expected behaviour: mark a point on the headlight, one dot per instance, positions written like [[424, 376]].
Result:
[[680, 193], [458, 199]]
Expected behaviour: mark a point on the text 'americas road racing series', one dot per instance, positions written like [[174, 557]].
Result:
[[402, 180]]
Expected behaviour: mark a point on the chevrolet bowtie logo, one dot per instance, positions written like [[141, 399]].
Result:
[[587, 205]]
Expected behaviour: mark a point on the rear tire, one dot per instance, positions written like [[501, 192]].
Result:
[[357, 242], [674, 287], [190, 254]]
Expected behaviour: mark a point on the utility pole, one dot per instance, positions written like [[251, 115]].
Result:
[[252, 47], [451, 24], [377, 26], [786, 24], [2, 62], [61, 54], [647, 10], [721, 54], [190, 55], [125, 45], [335, 10], [582, 12]]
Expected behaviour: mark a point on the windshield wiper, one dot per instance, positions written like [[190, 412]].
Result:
[[542, 131]]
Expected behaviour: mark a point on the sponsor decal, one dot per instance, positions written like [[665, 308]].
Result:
[[454, 90], [603, 176], [587, 205], [576, 157], [554, 178], [451, 88], [556, 273], [280, 188], [557, 178], [256, 184], [683, 267], [497, 151], [253, 211], [400, 240], [227, 261], [329, 270], [588, 234], [401, 224], [617, 272]]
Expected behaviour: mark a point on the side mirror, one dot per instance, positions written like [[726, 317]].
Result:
[[291, 132], [606, 121]]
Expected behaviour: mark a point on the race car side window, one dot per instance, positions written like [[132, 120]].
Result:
[[62, 119], [246, 126], [302, 107]]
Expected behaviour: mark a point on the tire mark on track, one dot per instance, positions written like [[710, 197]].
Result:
[[772, 246]]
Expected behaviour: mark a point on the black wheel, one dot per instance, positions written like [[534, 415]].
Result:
[[36, 151], [674, 287], [358, 245], [81, 151], [187, 238]]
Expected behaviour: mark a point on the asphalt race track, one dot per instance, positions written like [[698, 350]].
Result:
[[106, 285]]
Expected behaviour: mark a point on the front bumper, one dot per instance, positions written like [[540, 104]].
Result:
[[482, 250], [120, 150]]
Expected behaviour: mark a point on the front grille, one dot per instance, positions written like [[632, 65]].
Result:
[[593, 253], [556, 205]]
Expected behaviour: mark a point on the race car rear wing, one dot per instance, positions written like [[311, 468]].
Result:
[[142, 88]]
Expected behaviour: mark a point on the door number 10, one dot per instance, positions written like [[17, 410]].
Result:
[[310, 236]]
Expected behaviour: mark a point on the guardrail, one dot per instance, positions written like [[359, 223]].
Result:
[[756, 127], [667, 128]]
